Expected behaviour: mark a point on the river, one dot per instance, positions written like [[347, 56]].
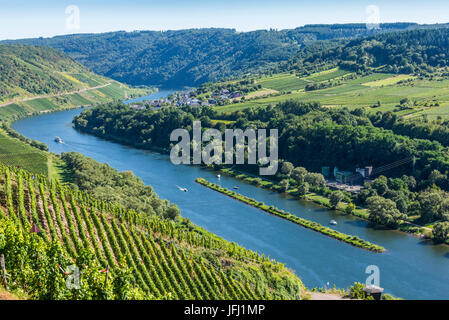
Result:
[[411, 268]]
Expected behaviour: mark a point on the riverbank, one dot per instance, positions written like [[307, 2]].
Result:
[[318, 259], [362, 213], [352, 240], [318, 197]]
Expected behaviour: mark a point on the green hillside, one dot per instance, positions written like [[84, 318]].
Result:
[[178, 58], [40, 79], [417, 51], [147, 257]]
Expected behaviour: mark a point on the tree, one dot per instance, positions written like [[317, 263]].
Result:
[[440, 232], [172, 212], [303, 189], [335, 198], [380, 185], [350, 208], [285, 183], [298, 174], [383, 211], [315, 179], [436, 178], [287, 168], [430, 203]]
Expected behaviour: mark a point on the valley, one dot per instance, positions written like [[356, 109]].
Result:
[[362, 151]]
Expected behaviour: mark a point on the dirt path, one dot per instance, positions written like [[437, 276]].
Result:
[[326, 296], [55, 94], [4, 295]]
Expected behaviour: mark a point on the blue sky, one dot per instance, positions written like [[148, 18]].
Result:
[[23, 19]]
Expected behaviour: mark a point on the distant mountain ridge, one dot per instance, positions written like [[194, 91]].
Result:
[[420, 51], [194, 56]]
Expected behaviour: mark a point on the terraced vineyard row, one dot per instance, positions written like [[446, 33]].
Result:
[[48, 229]]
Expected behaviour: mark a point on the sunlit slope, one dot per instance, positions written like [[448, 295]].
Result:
[[39, 79], [148, 257]]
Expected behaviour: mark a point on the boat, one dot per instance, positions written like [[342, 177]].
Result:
[[218, 176], [333, 222], [182, 189], [236, 187], [58, 140]]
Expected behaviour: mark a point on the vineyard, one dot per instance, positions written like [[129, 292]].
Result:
[[49, 232]]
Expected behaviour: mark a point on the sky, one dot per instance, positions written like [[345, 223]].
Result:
[[45, 18]]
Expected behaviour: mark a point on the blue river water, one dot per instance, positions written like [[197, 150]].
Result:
[[411, 268]]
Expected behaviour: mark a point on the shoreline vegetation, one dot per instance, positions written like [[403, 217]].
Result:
[[352, 240], [320, 200]]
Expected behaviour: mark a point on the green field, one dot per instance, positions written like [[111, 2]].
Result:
[[388, 81], [364, 91], [113, 91], [327, 75], [16, 153], [283, 82], [92, 80]]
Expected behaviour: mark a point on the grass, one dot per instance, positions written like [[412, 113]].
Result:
[[283, 82], [261, 93], [365, 91], [42, 104], [14, 152], [327, 75], [5, 295], [222, 121], [114, 91], [58, 170], [388, 81]]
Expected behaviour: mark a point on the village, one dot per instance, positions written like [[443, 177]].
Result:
[[190, 98]]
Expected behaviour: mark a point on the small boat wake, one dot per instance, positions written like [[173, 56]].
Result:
[[182, 189]]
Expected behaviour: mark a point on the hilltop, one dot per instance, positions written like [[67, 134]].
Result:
[[194, 56], [415, 51]]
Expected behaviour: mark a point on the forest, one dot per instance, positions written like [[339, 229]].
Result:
[[107, 184], [420, 51], [190, 57]]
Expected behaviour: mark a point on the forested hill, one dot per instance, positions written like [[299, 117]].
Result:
[[190, 57], [421, 51], [27, 71]]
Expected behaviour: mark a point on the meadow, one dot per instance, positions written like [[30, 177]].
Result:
[[377, 92], [14, 152]]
